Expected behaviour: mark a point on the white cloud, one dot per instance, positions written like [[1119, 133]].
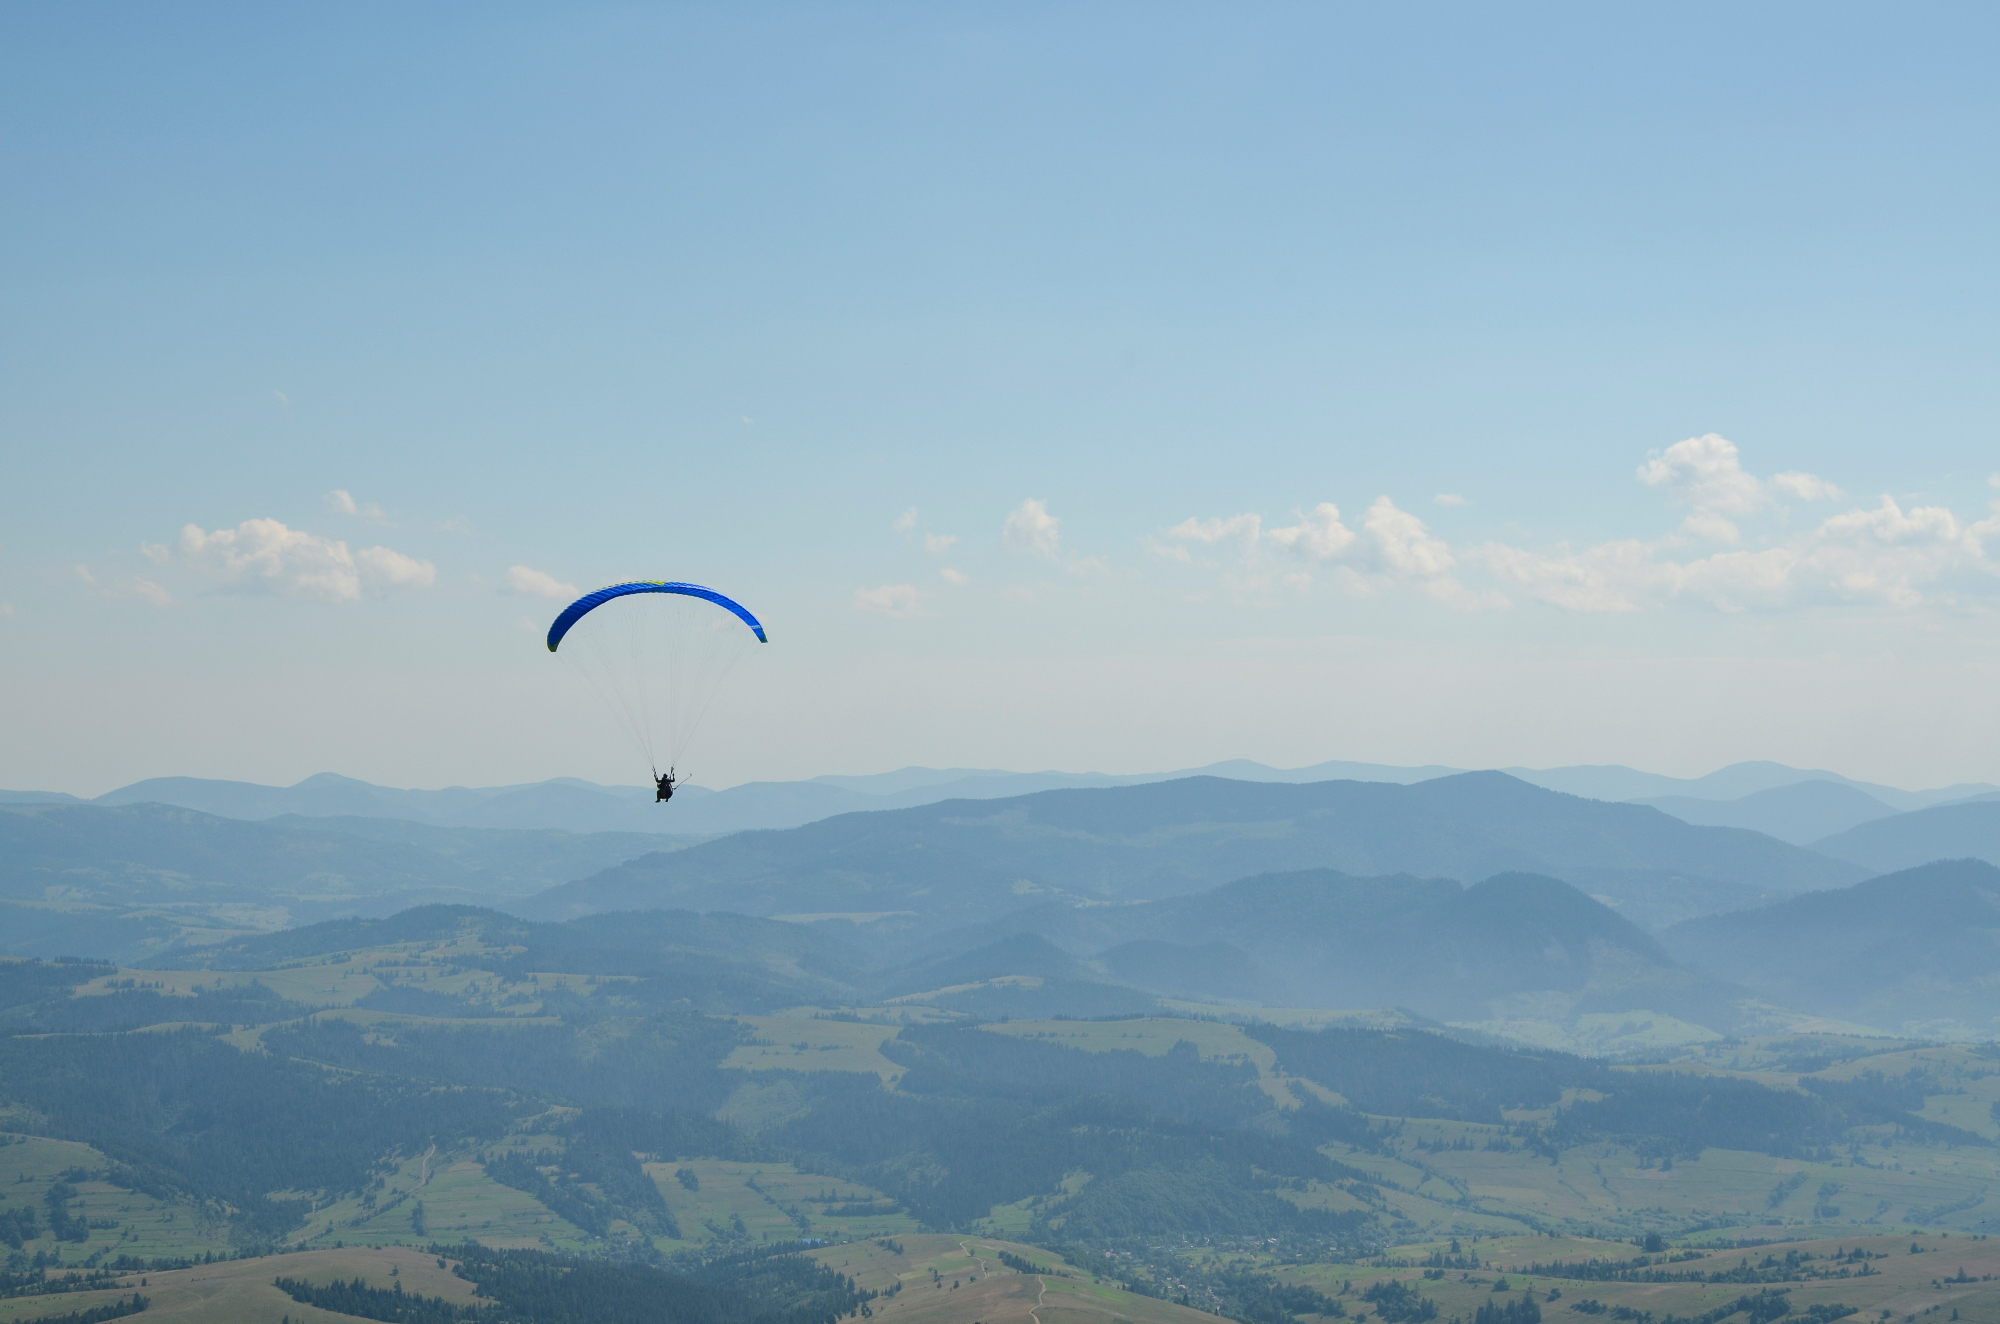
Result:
[[263, 555], [6, 609], [890, 600], [1319, 535], [956, 577], [156, 552], [144, 589], [906, 521], [535, 584], [151, 592], [1714, 528], [341, 502], [1031, 528], [1594, 581], [456, 524], [383, 567], [1734, 550], [1705, 472], [937, 544], [1245, 529], [1406, 552], [1885, 555], [1450, 499], [1403, 543], [1805, 487], [1393, 548]]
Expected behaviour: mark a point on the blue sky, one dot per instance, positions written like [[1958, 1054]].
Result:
[[1418, 384]]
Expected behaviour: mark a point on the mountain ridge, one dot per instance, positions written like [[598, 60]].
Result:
[[965, 860], [572, 804]]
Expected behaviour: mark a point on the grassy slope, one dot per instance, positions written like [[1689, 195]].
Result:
[[1481, 1189], [977, 1288], [1902, 1286], [240, 1291], [142, 1225]]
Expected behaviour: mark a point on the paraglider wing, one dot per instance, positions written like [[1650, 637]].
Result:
[[577, 610], [657, 653]]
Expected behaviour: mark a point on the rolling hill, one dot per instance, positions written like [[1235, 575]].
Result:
[[135, 880], [1943, 832], [1800, 813], [961, 862], [573, 805], [1915, 952], [1513, 946]]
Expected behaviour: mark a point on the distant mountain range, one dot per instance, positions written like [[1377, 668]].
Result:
[[131, 881], [1801, 813], [962, 862], [1946, 832], [128, 879], [572, 805], [1476, 898]]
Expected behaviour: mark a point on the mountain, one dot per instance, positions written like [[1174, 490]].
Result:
[[1800, 813], [569, 804], [1614, 782], [1957, 831], [572, 805], [1915, 952], [1511, 946], [125, 881], [564, 804], [960, 862], [1205, 970], [38, 798]]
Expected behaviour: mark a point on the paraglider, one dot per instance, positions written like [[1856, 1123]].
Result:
[[656, 652]]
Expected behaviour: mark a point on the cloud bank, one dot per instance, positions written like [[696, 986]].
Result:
[[265, 556], [1736, 549]]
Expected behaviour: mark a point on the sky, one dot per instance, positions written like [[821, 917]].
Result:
[[1090, 386]]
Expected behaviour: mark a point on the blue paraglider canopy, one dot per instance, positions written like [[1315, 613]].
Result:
[[582, 607]]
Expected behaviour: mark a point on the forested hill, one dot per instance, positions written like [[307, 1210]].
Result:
[[1320, 938], [1942, 832], [129, 882], [962, 861], [568, 1109], [1910, 948]]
